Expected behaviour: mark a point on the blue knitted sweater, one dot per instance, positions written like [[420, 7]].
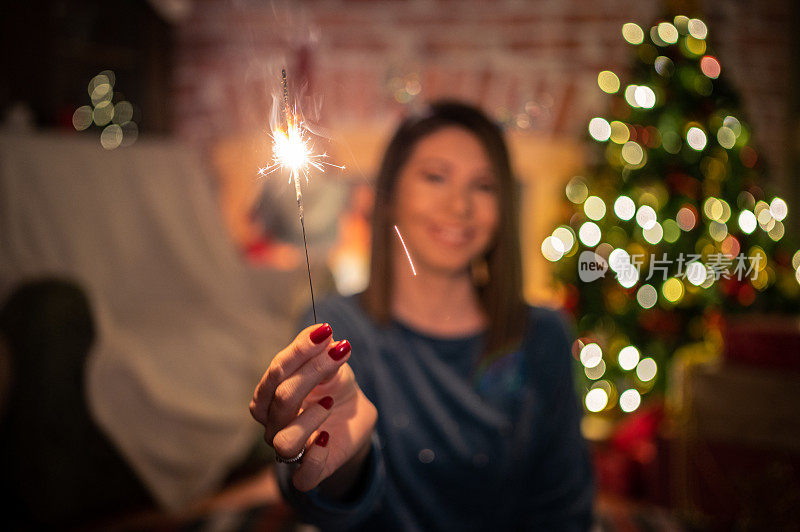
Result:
[[458, 446]]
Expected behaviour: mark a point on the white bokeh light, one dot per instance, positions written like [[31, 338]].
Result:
[[747, 221], [630, 400], [696, 273], [624, 208], [778, 209], [646, 369], [596, 399], [696, 138], [628, 358], [594, 208], [591, 355], [646, 217], [644, 97], [599, 129], [589, 233]]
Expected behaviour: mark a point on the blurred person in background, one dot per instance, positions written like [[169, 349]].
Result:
[[444, 402]]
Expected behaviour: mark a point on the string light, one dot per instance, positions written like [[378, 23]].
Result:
[[591, 355], [624, 208], [595, 372], [646, 369], [778, 209], [646, 217], [589, 233], [647, 296], [608, 82], [596, 399], [594, 208], [747, 221], [628, 358], [566, 236], [632, 33], [696, 138], [576, 190], [599, 129], [629, 400], [552, 249], [672, 289]]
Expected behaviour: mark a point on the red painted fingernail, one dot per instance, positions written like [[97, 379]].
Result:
[[326, 402], [320, 333], [340, 350], [322, 439]]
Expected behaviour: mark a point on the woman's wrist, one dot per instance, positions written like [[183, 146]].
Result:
[[346, 483]]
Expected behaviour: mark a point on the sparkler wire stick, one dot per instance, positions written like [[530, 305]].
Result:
[[289, 125]]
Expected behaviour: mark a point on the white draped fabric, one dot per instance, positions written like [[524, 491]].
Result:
[[185, 327]]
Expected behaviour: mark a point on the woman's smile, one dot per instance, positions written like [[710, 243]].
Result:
[[446, 202]]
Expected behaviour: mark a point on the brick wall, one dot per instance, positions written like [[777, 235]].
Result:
[[508, 55]]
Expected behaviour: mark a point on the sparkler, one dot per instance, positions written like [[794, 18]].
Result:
[[292, 149], [408, 255]]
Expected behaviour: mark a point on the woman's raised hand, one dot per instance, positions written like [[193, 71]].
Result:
[[308, 398]]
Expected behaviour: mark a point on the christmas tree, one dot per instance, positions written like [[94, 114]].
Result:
[[669, 228]]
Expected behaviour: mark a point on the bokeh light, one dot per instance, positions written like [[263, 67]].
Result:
[[576, 190], [596, 399], [664, 66], [672, 289], [671, 230], [686, 219], [630, 95], [777, 231], [646, 369], [696, 138], [111, 137], [697, 47], [718, 231], [629, 400], [103, 113], [608, 81], [618, 259], [710, 66], [726, 137], [82, 118], [628, 358], [594, 208], [591, 354], [647, 296], [697, 28], [668, 33], [628, 277], [624, 208], [619, 132], [646, 217], [599, 129], [632, 153], [653, 234], [632, 33], [730, 246], [778, 209], [566, 236], [552, 249], [696, 273], [595, 372], [747, 221], [644, 97], [123, 112], [589, 233]]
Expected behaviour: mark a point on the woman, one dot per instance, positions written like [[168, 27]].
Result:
[[448, 404]]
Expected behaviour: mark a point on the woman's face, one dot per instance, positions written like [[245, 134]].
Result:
[[446, 201]]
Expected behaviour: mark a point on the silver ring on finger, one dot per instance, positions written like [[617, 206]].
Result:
[[293, 460]]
